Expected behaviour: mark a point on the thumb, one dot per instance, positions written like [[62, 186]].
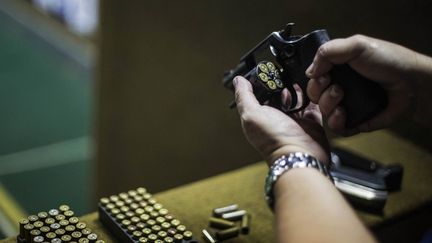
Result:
[[244, 96]]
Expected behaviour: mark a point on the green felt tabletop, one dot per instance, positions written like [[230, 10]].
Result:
[[193, 203]]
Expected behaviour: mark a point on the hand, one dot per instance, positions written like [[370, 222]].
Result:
[[273, 133], [389, 64]]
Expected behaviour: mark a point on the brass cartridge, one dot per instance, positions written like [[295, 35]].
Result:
[[220, 223], [228, 233]]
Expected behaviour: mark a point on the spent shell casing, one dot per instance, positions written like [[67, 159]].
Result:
[[219, 223], [227, 233], [219, 211], [245, 224], [234, 216], [207, 236]]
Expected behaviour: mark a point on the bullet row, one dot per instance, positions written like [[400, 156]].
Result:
[[55, 226], [227, 222], [141, 218]]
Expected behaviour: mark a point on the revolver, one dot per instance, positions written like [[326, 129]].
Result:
[[279, 62]]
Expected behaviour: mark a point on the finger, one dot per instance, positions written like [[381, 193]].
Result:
[[336, 120], [313, 113], [330, 99], [286, 99], [316, 87], [244, 96], [337, 51]]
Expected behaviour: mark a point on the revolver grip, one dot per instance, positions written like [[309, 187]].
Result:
[[363, 98]]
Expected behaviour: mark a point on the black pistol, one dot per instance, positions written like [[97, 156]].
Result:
[[290, 56]]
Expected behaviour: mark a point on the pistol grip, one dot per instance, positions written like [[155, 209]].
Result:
[[363, 98]]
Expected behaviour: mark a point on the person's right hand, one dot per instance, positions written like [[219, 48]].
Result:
[[391, 65]]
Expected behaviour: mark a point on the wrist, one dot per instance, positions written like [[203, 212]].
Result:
[[287, 163], [318, 153]]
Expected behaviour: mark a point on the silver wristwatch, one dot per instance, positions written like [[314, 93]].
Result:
[[285, 163]]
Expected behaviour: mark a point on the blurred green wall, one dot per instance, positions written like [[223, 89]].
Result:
[[45, 122]]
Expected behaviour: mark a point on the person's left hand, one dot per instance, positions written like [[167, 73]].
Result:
[[274, 133]]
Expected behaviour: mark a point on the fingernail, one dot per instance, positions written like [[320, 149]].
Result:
[[335, 92], [310, 70], [235, 81], [323, 81]]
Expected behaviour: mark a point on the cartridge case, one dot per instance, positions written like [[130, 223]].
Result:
[[92, 237], [245, 224], [220, 223], [42, 215], [228, 233], [207, 236], [187, 235], [217, 212], [53, 212], [64, 208], [234, 216], [22, 222]]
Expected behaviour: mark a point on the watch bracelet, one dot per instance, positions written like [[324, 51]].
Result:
[[286, 163]]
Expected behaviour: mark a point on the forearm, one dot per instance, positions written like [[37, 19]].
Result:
[[309, 209], [422, 72]]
